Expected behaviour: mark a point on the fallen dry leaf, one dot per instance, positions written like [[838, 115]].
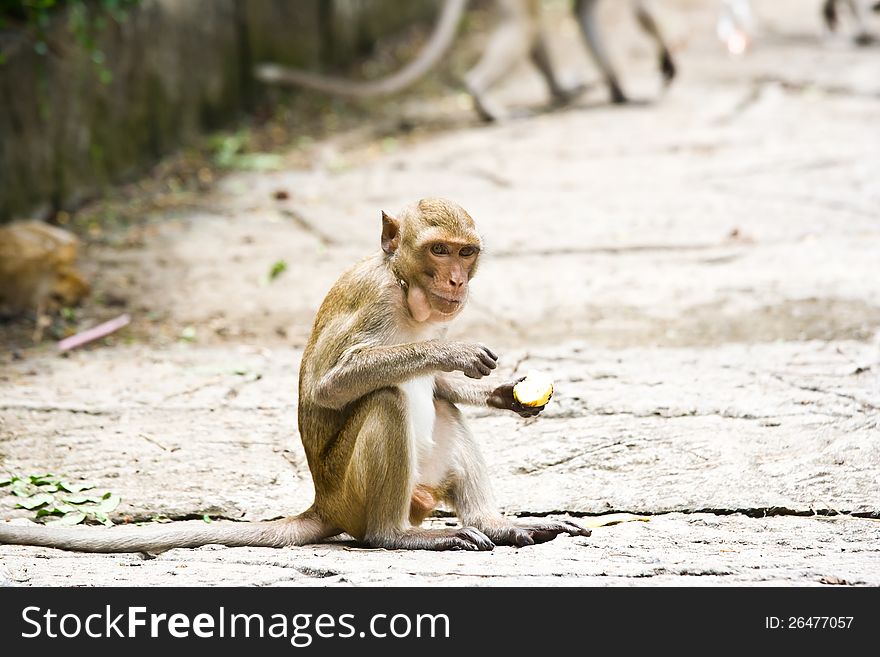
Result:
[[592, 522]]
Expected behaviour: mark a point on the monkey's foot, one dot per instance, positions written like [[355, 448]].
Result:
[[564, 95], [617, 95], [488, 111], [521, 534], [463, 538], [667, 67]]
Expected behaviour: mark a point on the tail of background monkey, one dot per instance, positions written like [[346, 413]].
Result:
[[298, 530], [437, 46]]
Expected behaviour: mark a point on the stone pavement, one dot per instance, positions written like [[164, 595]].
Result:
[[700, 275]]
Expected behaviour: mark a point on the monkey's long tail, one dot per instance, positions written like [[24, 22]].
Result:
[[438, 44], [298, 530]]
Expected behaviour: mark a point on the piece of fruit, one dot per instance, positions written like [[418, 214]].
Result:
[[534, 390]]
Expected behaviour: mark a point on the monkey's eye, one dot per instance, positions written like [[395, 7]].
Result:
[[468, 251], [440, 249]]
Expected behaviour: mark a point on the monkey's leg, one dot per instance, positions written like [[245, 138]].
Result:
[[646, 21], [586, 16], [379, 482], [829, 12], [471, 493], [863, 36], [41, 322], [508, 45], [541, 58]]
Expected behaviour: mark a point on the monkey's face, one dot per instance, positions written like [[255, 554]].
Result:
[[434, 257], [439, 289]]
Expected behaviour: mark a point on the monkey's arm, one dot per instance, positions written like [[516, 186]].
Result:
[[365, 368], [473, 393]]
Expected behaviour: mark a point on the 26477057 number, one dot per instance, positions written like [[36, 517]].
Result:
[[808, 622]]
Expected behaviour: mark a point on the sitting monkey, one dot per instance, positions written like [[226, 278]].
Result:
[[378, 414]]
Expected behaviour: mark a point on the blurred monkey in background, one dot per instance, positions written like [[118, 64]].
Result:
[[517, 36]]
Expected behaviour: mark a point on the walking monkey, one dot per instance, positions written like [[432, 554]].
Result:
[[378, 414], [517, 36]]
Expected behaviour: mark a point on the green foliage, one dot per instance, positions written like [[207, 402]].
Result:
[[86, 19], [278, 268], [230, 152], [57, 500]]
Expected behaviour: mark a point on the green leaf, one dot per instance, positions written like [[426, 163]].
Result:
[[102, 518], [36, 501], [61, 507], [73, 487], [21, 490], [49, 511], [77, 499], [110, 502], [97, 499], [9, 481], [278, 268], [207, 518], [72, 518]]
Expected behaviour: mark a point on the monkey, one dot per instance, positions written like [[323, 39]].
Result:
[[37, 272], [378, 412], [518, 35]]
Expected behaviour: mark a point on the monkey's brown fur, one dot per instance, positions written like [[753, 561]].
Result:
[[384, 439]]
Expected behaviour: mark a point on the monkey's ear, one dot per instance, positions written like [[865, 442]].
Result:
[[390, 233]]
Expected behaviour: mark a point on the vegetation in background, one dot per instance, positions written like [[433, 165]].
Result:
[[86, 19]]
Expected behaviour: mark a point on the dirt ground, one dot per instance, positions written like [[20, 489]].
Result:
[[699, 272]]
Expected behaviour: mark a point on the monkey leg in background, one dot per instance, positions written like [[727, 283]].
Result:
[[585, 12], [649, 25], [518, 36], [864, 36]]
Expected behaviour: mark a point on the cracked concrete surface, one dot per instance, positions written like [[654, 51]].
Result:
[[700, 275]]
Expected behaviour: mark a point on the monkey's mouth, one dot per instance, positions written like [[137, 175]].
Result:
[[445, 305]]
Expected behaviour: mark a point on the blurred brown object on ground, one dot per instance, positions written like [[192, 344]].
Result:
[[37, 270]]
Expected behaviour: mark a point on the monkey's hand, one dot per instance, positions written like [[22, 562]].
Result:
[[473, 359], [502, 397]]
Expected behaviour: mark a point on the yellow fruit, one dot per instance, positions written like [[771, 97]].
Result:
[[534, 390]]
